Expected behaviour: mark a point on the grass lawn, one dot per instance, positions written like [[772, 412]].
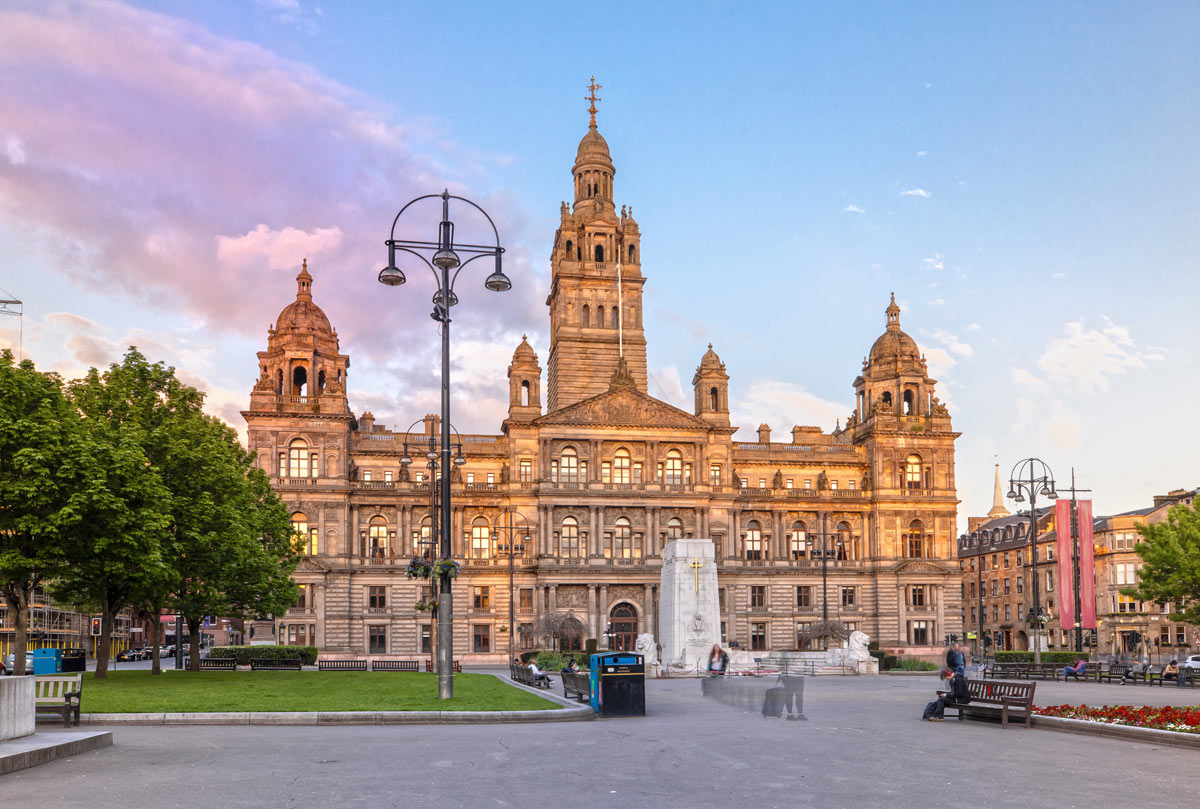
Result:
[[191, 692]]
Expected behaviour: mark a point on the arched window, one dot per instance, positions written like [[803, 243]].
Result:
[[673, 471], [279, 381], [569, 248], [569, 538], [481, 539], [587, 316], [753, 540], [798, 541], [908, 402], [912, 472], [622, 539], [631, 254], [886, 397], [599, 254], [621, 466], [305, 535], [321, 380], [616, 314], [674, 529], [299, 380], [377, 538], [844, 540], [578, 253], [301, 462], [916, 540], [568, 466], [714, 399], [600, 324], [422, 538], [525, 393]]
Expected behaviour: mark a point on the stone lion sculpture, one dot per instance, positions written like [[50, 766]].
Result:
[[645, 646], [857, 651]]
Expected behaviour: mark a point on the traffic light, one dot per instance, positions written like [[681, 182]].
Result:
[[96, 626]]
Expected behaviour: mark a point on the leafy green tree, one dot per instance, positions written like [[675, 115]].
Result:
[[1170, 572], [38, 436]]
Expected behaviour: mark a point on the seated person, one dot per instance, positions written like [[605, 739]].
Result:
[[1171, 671], [539, 676], [573, 666], [955, 693], [1080, 667], [1132, 674]]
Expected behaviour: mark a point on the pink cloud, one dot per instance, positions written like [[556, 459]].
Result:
[[155, 161]]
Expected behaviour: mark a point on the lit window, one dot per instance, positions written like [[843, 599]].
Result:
[[753, 540], [621, 466], [569, 538], [674, 468], [299, 460], [568, 466], [912, 472], [481, 538]]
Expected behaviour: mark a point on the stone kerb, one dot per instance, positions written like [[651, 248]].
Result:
[[16, 707]]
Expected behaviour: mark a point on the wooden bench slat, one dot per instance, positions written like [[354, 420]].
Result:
[[341, 665], [396, 665], [287, 664], [60, 694], [999, 698]]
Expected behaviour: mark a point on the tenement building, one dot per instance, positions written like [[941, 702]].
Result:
[[595, 477]]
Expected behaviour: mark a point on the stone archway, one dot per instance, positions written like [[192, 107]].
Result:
[[623, 620]]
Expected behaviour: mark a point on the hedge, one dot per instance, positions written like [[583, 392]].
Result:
[[307, 654], [1047, 657]]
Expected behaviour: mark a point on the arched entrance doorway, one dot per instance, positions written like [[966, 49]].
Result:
[[623, 623]]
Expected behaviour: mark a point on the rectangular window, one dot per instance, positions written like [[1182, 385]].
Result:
[[1007, 612], [972, 589], [1180, 636], [808, 483], [1007, 586], [994, 592], [1049, 581], [1020, 612], [302, 598], [833, 485], [525, 602], [723, 635], [491, 477], [376, 597], [470, 477], [804, 596], [1164, 636], [1006, 561], [850, 484], [758, 596], [526, 634], [525, 471], [1020, 584], [366, 474], [972, 615], [387, 476], [377, 640], [721, 599], [481, 638], [1020, 558], [848, 596], [762, 483], [803, 643], [606, 472], [426, 638], [917, 595], [482, 597], [758, 637], [744, 482], [1126, 603], [995, 612], [919, 630], [714, 474], [1126, 574], [312, 541]]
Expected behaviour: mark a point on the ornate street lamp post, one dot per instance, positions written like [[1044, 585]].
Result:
[[1029, 478], [444, 258], [511, 548]]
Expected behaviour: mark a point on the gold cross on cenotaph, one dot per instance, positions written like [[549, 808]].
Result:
[[592, 97], [695, 566]]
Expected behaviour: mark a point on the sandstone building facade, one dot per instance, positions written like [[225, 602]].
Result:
[[603, 476]]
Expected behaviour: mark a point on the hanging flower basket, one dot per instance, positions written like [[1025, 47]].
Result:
[[445, 567], [425, 606], [418, 568]]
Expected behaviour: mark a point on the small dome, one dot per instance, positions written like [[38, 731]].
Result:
[[524, 351], [894, 346], [302, 314], [710, 359], [593, 150]]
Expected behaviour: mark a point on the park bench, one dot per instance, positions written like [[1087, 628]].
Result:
[[457, 666], [578, 683], [283, 664], [58, 693], [396, 665], [341, 665], [523, 675], [218, 663], [1114, 672], [997, 698], [1154, 675], [1046, 671]]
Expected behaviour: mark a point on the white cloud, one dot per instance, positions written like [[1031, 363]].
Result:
[[922, 153], [934, 263], [915, 192], [14, 150], [1087, 357], [939, 361], [853, 209], [938, 302], [1058, 275], [952, 342], [783, 405], [974, 327], [277, 249], [666, 383]]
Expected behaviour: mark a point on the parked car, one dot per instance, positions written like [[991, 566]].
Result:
[[1192, 663], [12, 659], [131, 654]]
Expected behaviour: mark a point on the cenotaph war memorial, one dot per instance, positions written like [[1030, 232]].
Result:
[[689, 614]]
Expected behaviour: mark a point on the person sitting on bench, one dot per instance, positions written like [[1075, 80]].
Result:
[[1171, 671], [1080, 667], [539, 676]]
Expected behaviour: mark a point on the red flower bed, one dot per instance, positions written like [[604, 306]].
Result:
[[1184, 720]]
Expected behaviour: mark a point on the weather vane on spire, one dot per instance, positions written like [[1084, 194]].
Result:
[[592, 97]]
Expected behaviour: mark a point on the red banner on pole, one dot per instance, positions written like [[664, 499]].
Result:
[[1066, 592], [1087, 567]]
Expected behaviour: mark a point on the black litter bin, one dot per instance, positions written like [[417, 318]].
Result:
[[621, 686], [73, 660]]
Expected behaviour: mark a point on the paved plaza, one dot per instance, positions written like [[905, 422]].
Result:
[[861, 746]]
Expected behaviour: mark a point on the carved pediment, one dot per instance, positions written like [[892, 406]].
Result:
[[922, 567], [311, 565], [624, 407]]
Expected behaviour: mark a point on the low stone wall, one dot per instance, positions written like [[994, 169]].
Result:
[[16, 707]]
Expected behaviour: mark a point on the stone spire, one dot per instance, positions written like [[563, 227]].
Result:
[[998, 509]]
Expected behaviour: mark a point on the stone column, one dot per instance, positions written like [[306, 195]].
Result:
[[602, 609], [319, 612], [735, 536], [593, 616], [648, 608], [600, 531], [941, 613], [901, 609], [593, 531], [553, 605]]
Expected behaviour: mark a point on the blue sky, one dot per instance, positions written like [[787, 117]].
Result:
[[1023, 177]]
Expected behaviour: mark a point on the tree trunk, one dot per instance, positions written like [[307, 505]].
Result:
[[155, 642], [104, 642], [16, 603], [194, 641]]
